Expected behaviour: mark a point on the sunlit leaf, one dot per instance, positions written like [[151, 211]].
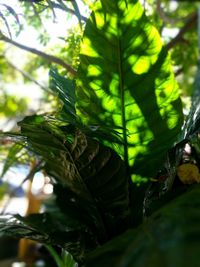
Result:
[[125, 81]]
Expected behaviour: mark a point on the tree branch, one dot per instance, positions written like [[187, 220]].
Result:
[[47, 57], [27, 76], [71, 11], [190, 22], [163, 15], [178, 72]]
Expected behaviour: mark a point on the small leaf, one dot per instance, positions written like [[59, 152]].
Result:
[[68, 260], [12, 157], [65, 88], [54, 255]]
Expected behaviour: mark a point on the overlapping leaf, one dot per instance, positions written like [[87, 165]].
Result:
[[65, 88], [45, 228], [91, 177], [192, 124], [169, 238], [125, 82]]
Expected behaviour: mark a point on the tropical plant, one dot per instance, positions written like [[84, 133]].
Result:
[[120, 123]]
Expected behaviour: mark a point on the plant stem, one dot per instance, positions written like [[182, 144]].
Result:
[[179, 37], [29, 77], [48, 57]]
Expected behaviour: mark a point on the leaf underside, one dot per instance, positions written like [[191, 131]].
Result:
[[91, 184], [125, 82]]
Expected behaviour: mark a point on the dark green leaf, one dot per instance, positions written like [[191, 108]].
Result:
[[10, 226], [170, 238], [45, 228], [92, 177], [77, 12], [65, 88]]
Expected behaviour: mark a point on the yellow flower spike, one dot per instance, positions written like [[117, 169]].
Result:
[[188, 173]]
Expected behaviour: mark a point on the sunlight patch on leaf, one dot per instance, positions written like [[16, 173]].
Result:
[[133, 87], [142, 65]]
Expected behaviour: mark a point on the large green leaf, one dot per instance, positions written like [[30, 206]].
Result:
[[125, 82], [170, 238]]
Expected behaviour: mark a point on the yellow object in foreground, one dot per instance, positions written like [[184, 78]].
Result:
[[188, 173]]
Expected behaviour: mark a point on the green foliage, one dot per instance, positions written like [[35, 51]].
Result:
[[170, 237], [65, 260], [96, 175], [124, 76], [123, 103]]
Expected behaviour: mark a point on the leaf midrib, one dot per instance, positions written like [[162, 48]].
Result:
[[121, 91]]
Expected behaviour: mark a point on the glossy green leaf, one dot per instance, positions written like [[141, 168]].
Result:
[[54, 255], [125, 81], [170, 238], [68, 260], [92, 179]]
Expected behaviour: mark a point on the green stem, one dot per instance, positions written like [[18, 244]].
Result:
[[55, 255]]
